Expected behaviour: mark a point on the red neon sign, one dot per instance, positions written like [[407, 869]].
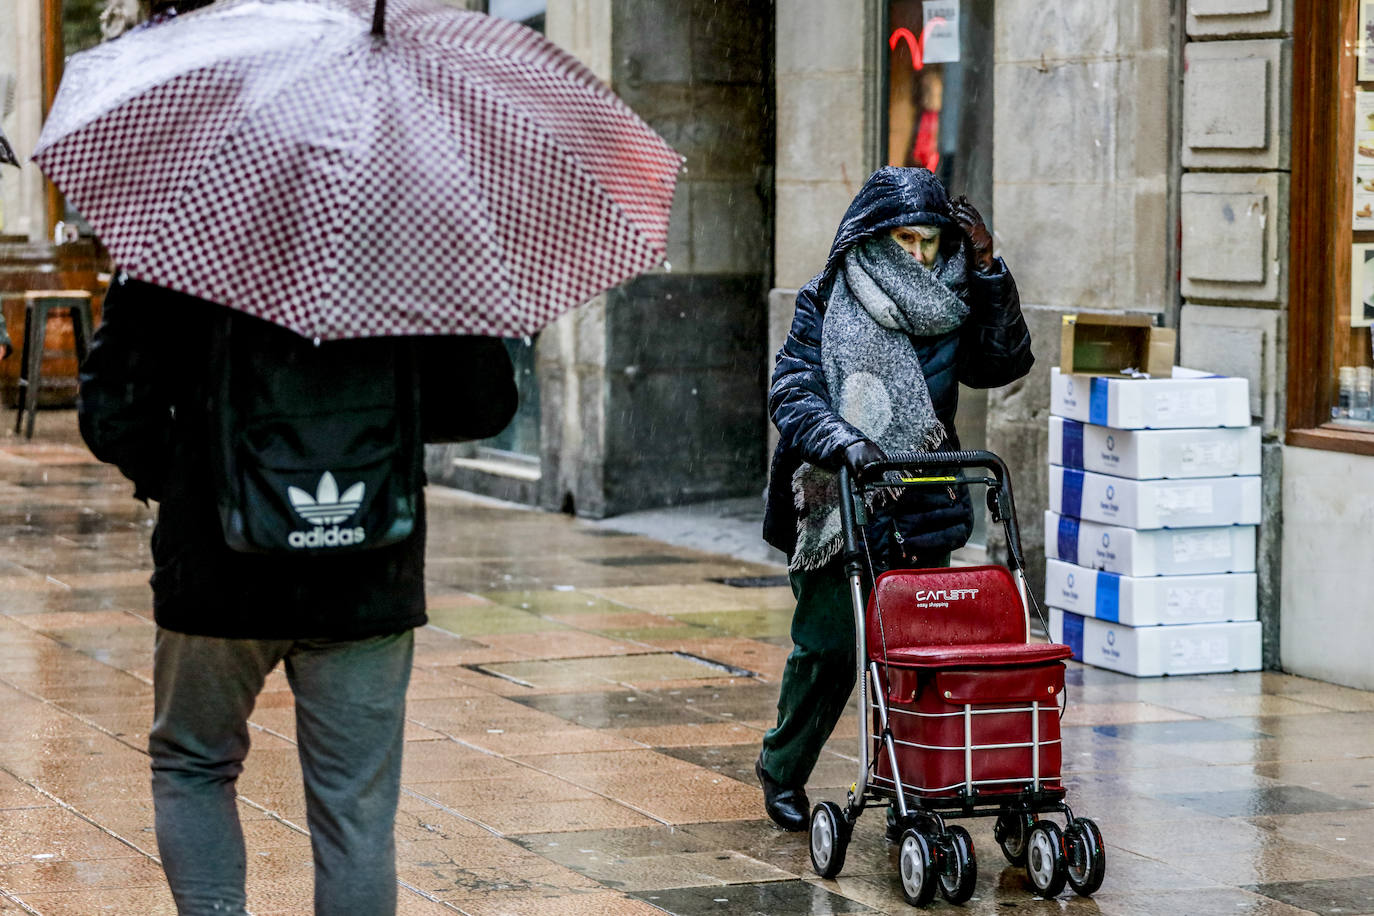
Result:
[[914, 44]]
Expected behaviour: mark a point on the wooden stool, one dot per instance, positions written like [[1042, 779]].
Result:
[[39, 304]]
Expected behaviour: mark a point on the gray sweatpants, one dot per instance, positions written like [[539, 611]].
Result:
[[350, 722]]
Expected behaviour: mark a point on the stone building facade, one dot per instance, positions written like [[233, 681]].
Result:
[[1137, 157]]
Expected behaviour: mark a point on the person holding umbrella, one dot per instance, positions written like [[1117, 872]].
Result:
[[284, 185], [911, 303]]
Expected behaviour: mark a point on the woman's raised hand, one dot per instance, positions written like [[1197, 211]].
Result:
[[980, 239]]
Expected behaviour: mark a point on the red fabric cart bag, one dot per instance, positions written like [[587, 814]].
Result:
[[926, 709], [957, 606]]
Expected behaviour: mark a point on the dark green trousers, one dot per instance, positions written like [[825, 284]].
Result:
[[820, 671]]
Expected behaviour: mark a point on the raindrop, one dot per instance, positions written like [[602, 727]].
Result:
[[316, 340], [529, 341], [694, 391], [667, 267], [496, 731], [565, 588]]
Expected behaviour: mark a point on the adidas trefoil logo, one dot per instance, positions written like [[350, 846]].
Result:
[[327, 507]]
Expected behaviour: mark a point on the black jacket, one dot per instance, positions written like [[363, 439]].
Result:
[[992, 348], [145, 391]]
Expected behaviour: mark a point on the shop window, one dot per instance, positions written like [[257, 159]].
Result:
[[939, 92], [1332, 227], [69, 26], [519, 440], [938, 87]]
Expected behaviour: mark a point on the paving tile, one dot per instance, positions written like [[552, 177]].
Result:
[[551, 741], [556, 816], [752, 900], [1211, 901], [488, 619], [1334, 895], [1190, 731], [30, 834], [144, 901], [1263, 800], [587, 903], [1079, 714], [687, 599], [646, 668], [693, 735], [79, 875], [562, 644]]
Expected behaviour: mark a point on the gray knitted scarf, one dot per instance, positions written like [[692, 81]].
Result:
[[880, 300]]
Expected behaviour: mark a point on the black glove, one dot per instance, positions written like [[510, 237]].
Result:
[[861, 454], [980, 239]]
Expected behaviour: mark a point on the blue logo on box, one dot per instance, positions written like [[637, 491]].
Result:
[[1111, 443], [1111, 491], [1111, 637], [1106, 539], [1070, 580]]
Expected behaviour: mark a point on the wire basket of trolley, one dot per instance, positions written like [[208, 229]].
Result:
[[958, 709]]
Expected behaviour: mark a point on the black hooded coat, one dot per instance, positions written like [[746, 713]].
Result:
[[146, 395], [990, 349]]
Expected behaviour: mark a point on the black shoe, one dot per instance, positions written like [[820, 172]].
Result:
[[786, 805]]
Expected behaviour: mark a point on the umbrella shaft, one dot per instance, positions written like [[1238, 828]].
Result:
[[379, 18]]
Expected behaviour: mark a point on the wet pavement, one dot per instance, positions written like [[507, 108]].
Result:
[[584, 715]]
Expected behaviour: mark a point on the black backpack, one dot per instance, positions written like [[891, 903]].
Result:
[[315, 447]]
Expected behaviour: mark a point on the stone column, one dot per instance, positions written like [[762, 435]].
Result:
[[1237, 90], [651, 395], [1081, 187], [21, 115]]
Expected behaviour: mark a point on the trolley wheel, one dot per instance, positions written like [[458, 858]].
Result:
[[1045, 859], [1086, 856], [959, 871], [829, 839], [916, 863], [1011, 831]]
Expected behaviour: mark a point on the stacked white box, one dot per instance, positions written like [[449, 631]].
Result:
[[1190, 648], [1189, 399], [1198, 502], [1141, 601], [1148, 454], [1150, 533], [1158, 552]]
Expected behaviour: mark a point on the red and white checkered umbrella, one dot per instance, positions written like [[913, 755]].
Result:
[[459, 174]]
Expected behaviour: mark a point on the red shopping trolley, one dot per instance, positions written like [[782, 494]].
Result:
[[959, 709]]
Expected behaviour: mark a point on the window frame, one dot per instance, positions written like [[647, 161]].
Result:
[[1320, 234]]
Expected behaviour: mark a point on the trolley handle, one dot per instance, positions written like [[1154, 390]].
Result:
[[871, 476]]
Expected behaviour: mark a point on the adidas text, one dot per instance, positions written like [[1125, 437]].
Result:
[[333, 536]]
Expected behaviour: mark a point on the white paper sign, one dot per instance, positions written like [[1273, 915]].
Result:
[[1184, 499], [1192, 546], [1197, 652], [940, 31], [1364, 161]]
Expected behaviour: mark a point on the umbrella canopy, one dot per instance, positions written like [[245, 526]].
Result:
[[459, 174], [7, 152]]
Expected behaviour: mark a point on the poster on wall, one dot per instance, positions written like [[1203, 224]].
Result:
[[940, 31], [1365, 44], [1362, 286], [1363, 178]]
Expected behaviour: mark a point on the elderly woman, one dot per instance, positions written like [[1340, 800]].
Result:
[[911, 303]]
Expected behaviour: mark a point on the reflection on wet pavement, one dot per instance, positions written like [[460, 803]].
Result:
[[584, 715]]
